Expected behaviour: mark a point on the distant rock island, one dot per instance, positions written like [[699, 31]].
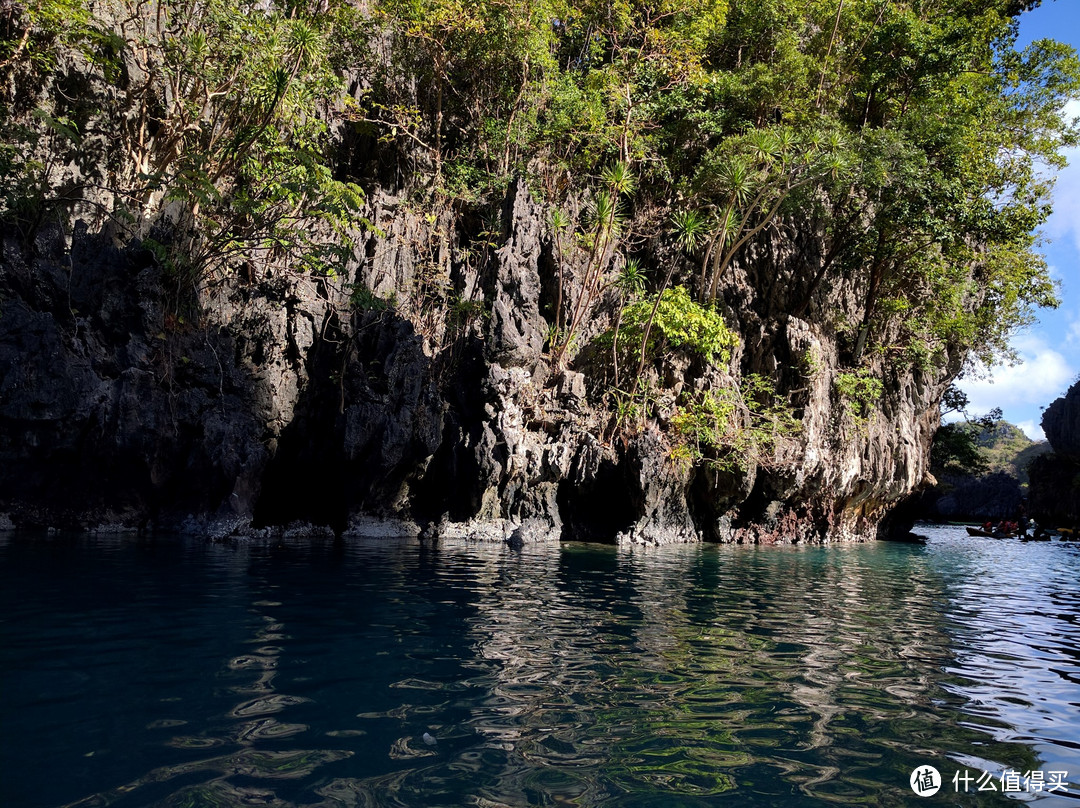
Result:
[[990, 484], [988, 469]]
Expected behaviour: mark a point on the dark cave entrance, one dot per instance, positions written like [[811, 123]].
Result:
[[305, 481], [598, 509]]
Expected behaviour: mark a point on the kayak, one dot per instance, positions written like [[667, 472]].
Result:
[[974, 531]]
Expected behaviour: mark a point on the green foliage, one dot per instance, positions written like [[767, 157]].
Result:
[[747, 178], [462, 313], [810, 363], [216, 109], [607, 216], [1019, 464], [908, 143], [860, 392], [626, 406], [956, 452], [1005, 448], [631, 279], [35, 32], [911, 135], [619, 179], [954, 400], [734, 427], [680, 324], [690, 229], [364, 299], [985, 445]]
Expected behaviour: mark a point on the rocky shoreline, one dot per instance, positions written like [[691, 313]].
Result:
[[281, 400]]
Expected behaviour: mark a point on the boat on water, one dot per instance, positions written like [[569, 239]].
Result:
[[975, 531]]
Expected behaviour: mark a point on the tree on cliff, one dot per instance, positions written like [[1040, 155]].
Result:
[[199, 126], [909, 141], [911, 136], [956, 449]]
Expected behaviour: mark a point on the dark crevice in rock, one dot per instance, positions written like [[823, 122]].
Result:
[[305, 480], [599, 507], [549, 277], [713, 492], [452, 483]]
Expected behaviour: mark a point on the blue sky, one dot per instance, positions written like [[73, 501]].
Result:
[[1050, 350]]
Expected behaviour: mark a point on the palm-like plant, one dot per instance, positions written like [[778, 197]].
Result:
[[305, 45], [619, 179], [607, 215], [631, 281], [754, 180], [690, 229], [785, 141], [738, 180]]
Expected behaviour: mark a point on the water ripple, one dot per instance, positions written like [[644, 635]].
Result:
[[582, 675]]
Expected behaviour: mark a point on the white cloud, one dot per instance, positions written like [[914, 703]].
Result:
[[1072, 338], [1042, 375], [1032, 430]]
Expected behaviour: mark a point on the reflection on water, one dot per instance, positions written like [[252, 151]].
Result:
[[181, 674]]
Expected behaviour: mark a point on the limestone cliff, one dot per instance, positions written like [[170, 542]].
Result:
[[1055, 477], [387, 267], [282, 398]]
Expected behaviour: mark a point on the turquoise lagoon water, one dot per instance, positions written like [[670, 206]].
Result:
[[178, 673]]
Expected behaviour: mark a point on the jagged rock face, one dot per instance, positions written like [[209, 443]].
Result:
[[1061, 423], [516, 333], [1054, 493], [1054, 490], [281, 401]]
